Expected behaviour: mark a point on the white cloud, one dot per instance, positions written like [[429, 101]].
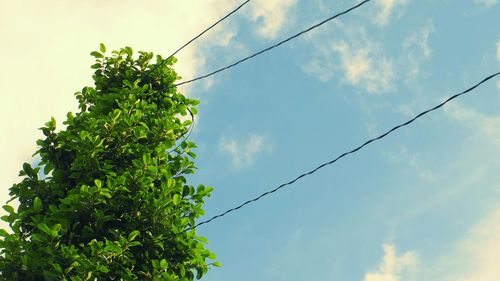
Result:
[[386, 10], [393, 267], [489, 126], [477, 256], [417, 49], [360, 59], [221, 37], [272, 16], [363, 67], [486, 2], [473, 258], [322, 65], [242, 153]]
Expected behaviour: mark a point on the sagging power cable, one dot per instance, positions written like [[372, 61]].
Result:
[[354, 150]]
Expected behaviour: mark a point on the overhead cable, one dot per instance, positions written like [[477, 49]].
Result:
[[186, 135], [194, 38], [273, 46], [344, 154]]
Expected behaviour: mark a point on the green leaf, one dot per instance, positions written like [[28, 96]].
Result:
[[6, 218], [27, 169], [9, 209], [163, 264], [57, 227], [57, 267], [102, 48], [182, 270], [136, 163], [217, 264], [51, 125], [3, 233], [112, 247], [105, 192], [37, 204], [134, 243], [96, 54], [132, 235], [177, 199], [129, 51], [37, 237], [153, 169], [70, 117], [144, 125], [48, 167], [84, 189], [170, 182], [103, 268], [156, 264], [98, 183], [43, 227]]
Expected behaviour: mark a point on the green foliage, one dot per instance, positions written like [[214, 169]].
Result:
[[108, 201]]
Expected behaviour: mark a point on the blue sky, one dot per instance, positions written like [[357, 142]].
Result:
[[422, 204]]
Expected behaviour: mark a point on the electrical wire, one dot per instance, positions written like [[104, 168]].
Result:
[[273, 46], [344, 154], [187, 134], [194, 38]]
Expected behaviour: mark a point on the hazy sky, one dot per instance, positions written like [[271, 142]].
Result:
[[422, 204]]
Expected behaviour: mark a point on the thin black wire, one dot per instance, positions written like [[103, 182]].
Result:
[[273, 46], [242, 60], [343, 154], [186, 135], [194, 38]]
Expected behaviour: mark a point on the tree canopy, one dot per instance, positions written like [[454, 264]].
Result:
[[109, 199]]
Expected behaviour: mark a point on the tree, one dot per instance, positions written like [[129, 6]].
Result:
[[109, 199]]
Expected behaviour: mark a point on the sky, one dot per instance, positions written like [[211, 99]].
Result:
[[421, 204]]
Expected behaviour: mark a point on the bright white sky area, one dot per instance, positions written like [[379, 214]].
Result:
[[422, 204]]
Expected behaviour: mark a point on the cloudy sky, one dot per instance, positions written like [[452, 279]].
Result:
[[422, 204]]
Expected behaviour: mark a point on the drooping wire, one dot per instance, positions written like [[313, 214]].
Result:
[[273, 46], [343, 154], [146, 75], [187, 134]]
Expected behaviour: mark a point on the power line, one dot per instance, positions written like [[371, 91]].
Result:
[[194, 38], [210, 27], [186, 135], [344, 154], [273, 46]]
